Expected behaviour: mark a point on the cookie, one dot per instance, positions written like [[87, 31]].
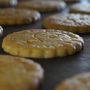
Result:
[[18, 16], [76, 23], [83, 8], [19, 74], [42, 43], [42, 5], [78, 82]]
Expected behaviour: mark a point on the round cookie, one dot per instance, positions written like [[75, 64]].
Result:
[[78, 82], [42, 43], [76, 23], [18, 16], [42, 5], [83, 8], [19, 74]]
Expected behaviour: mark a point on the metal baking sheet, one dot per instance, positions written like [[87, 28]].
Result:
[[56, 69]]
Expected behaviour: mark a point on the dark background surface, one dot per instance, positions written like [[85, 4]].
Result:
[[57, 69]]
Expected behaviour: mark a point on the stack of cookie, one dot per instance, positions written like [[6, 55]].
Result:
[[58, 38]]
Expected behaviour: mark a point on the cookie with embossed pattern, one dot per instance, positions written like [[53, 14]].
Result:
[[76, 23], [42, 43]]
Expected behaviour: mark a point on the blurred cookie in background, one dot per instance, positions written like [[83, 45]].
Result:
[[83, 7], [76, 23], [42, 5], [10, 16], [5, 3], [19, 73], [78, 82]]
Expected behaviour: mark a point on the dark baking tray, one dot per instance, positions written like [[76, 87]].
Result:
[[57, 69]]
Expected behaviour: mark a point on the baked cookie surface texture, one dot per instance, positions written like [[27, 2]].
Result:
[[78, 82], [42, 43], [18, 16], [42, 5], [19, 74], [76, 23]]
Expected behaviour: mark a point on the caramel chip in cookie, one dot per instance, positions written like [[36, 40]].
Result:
[[42, 5], [42, 43], [18, 16], [76, 23], [19, 74], [78, 82]]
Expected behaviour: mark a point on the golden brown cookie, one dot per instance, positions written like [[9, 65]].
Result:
[[42, 43], [83, 8], [76, 23], [18, 16], [42, 5], [78, 82], [19, 74]]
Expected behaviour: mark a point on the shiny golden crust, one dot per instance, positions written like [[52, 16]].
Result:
[[83, 8], [42, 5], [18, 16], [38, 43], [76, 23], [79, 82], [19, 73]]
